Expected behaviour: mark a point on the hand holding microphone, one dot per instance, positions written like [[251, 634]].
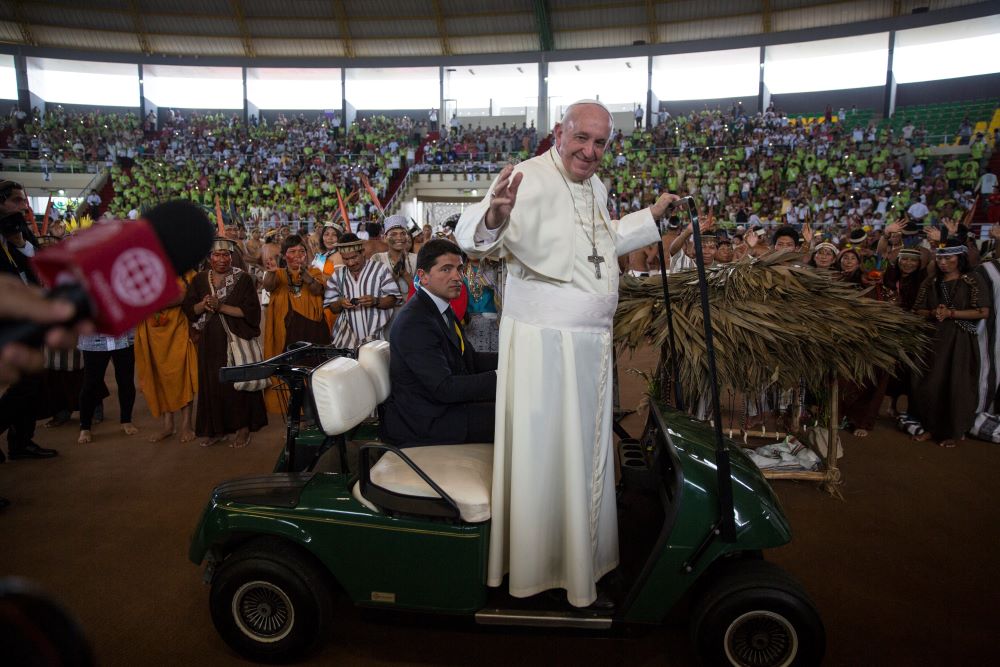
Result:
[[24, 302], [114, 274]]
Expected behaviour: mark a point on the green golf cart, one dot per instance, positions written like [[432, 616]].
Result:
[[344, 514], [409, 529]]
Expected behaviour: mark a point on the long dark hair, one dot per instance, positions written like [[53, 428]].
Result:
[[322, 243]]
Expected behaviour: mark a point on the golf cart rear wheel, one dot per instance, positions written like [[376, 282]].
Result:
[[755, 615], [270, 602]]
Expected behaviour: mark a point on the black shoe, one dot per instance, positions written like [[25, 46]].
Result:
[[4, 503], [32, 451], [603, 602]]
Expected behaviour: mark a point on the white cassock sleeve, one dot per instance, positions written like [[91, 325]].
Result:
[[634, 231]]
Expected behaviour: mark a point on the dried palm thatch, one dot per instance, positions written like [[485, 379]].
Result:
[[775, 323]]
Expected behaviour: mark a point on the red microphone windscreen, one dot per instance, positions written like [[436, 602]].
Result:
[[129, 269]]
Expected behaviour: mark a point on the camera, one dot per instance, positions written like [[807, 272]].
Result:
[[12, 223]]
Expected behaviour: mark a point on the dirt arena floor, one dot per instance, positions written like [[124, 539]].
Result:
[[903, 569]]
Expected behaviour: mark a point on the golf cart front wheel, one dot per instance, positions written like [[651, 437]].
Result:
[[757, 616], [270, 603]]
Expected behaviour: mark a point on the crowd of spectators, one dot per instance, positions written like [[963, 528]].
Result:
[[68, 140], [768, 169], [286, 171], [764, 168], [472, 148]]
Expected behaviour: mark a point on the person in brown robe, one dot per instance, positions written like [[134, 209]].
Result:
[[903, 279], [860, 403], [223, 292], [294, 312], [945, 396], [166, 367]]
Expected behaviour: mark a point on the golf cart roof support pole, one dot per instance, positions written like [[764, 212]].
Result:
[[296, 389], [674, 366], [727, 523]]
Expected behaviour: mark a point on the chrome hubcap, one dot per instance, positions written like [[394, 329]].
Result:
[[761, 639], [263, 612]]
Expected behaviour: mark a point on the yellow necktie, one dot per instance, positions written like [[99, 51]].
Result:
[[461, 340]]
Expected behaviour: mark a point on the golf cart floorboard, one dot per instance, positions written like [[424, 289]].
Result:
[[547, 609]]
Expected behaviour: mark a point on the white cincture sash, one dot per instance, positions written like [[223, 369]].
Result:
[[558, 306]]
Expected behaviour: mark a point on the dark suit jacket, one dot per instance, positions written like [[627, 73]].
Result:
[[432, 381]]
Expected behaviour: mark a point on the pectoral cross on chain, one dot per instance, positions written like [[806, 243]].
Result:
[[596, 260]]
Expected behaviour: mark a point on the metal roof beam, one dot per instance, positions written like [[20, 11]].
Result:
[[651, 20], [140, 32], [241, 23], [340, 11], [442, 29], [766, 16], [544, 25], [88, 9], [22, 23]]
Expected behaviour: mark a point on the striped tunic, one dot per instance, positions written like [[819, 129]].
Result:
[[360, 325]]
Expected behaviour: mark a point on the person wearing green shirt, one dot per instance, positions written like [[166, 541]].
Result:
[[951, 170]]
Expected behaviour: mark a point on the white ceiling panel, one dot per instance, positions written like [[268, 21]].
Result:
[[487, 25], [78, 18], [494, 44], [191, 45], [219, 7], [710, 29], [594, 39], [686, 10], [388, 10], [465, 7], [397, 47], [87, 40], [9, 32], [824, 15], [389, 30], [299, 48], [173, 25], [293, 30], [596, 18], [289, 8]]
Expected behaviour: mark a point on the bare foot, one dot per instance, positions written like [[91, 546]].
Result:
[[208, 442], [860, 433], [129, 428], [187, 435], [947, 444], [241, 439], [161, 435], [923, 437], [85, 437]]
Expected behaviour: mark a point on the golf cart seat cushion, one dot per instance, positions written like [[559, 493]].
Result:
[[464, 472], [343, 395], [374, 358]]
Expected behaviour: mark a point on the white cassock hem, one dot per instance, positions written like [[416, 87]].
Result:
[[564, 505]]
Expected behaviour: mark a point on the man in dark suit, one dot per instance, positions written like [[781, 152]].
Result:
[[17, 404], [443, 391]]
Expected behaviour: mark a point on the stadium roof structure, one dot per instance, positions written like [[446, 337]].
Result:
[[366, 29]]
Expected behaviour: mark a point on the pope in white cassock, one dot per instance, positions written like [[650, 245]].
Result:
[[554, 517]]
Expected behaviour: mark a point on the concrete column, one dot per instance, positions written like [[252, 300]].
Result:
[[442, 121], [649, 94], [246, 102], [142, 94], [763, 94], [23, 94], [544, 125], [889, 98]]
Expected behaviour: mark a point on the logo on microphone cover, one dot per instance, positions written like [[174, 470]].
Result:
[[138, 277]]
